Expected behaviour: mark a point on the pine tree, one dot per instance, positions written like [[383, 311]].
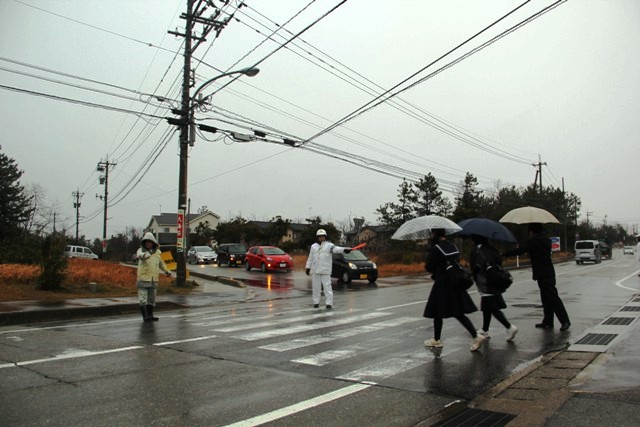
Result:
[[15, 208]]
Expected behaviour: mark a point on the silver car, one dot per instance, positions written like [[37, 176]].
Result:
[[201, 255]]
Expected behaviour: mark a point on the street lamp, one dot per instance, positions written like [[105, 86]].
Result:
[[186, 122]]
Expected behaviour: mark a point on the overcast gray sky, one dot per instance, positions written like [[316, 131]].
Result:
[[564, 87]]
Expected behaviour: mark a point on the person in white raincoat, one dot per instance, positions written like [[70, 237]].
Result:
[[319, 267]]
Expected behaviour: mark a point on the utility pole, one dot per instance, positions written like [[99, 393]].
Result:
[[186, 121], [538, 167], [565, 211], [104, 180], [588, 213], [78, 195]]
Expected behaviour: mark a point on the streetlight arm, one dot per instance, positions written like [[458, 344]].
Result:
[[246, 71]]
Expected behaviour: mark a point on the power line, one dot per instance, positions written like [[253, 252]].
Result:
[[95, 27], [77, 101], [388, 94], [281, 46]]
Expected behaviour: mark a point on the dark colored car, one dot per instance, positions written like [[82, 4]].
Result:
[[605, 250], [353, 266], [231, 254], [268, 258]]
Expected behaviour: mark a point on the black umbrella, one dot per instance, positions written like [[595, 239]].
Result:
[[487, 228]]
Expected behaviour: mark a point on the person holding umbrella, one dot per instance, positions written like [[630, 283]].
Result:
[[482, 256], [539, 249], [446, 300]]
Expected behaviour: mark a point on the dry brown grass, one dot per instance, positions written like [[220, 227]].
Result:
[[18, 282]]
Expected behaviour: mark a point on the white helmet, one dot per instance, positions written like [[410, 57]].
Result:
[[321, 232]]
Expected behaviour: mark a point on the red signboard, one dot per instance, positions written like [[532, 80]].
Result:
[[180, 231]]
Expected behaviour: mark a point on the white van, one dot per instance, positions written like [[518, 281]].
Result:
[[72, 251], [588, 250]]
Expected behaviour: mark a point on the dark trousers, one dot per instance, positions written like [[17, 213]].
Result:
[[551, 302]]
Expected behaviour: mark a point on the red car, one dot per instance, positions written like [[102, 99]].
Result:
[[268, 258]]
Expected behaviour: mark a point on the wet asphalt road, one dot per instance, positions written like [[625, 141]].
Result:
[[277, 358]]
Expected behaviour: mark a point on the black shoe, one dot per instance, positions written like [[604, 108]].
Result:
[[150, 311], [329, 307], [565, 326], [544, 325], [316, 305]]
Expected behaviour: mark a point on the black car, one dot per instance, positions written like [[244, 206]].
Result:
[[605, 250], [353, 266], [231, 254]]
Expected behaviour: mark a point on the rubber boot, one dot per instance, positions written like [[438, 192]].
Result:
[[150, 312], [145, 313]]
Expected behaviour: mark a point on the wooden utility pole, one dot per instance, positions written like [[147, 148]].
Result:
[[104, 180], [76, 204]]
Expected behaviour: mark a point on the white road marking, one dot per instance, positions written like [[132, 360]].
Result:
[[620, 285], [71, 325], [335, 335], [225, 320], [74, 355], [185, 340], [324, 314], [253, 336], [401, 305], [394, 366], [301, 406], [326, 357]]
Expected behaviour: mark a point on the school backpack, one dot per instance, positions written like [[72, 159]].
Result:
[[458, 276]]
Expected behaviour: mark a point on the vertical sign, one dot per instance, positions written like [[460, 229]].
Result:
[[555, 244], [180, 232]]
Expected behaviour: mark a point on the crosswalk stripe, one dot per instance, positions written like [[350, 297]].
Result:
[[326, 357], [323, 314], [335, 335], [253, 336], [393, 366], [225, 320], [247, 312]]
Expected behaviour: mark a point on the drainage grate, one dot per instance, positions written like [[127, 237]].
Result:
[[597, 339], [620, 321], [630, 308], [476, 418]]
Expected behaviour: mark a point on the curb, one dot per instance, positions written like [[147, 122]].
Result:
[[532, 395], [37, 316], [222, 279]]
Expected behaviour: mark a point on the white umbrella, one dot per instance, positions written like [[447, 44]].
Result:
[[528, 215], [420, 228]]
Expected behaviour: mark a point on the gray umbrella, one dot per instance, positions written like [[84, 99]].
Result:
[[528, 215], [420, 228]]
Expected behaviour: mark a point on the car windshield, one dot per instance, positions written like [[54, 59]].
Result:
[[355, 256], [237, 248], [273, 251], [584, 245], [203, 249]]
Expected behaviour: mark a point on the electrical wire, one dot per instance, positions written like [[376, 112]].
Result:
[[80, 102], [281, 46], [95, 27], [390, 94]]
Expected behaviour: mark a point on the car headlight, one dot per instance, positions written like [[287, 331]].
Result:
[[353, 266], [373, 264]]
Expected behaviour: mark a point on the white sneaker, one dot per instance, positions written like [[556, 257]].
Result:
[[477, 343], [483, 333], [433, 343], [511, 333]]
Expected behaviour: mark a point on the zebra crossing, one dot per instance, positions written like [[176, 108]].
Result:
[[355, 345]]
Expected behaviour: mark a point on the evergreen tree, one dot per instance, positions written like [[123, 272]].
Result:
[[15, 208], [469, 199], [428, 199]]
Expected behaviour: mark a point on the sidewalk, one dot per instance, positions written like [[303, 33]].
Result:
[[563, 388], [210, 292]]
